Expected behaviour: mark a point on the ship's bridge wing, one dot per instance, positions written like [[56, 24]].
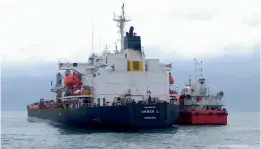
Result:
[[78, 67]]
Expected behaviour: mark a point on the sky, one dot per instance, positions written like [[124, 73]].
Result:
[[225, 34], [47, 31]]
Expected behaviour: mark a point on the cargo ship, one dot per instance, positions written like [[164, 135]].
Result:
[[115, 90], [198, 107]]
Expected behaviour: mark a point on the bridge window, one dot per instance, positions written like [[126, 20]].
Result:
[[136, 65]]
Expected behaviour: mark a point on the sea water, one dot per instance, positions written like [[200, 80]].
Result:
[[242, 132]]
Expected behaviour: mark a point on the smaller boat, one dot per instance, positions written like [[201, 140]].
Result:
[[198, 107]]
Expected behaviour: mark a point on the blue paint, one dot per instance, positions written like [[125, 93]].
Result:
[[116, 117]]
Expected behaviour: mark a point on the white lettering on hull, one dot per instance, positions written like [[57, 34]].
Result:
[[150, 107], [150, 118], [149, 111]]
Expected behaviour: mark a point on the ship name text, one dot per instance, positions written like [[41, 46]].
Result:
[[149, 111], [150, 107], [150, 118]]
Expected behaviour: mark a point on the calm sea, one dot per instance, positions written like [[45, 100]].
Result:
[[242, 132]]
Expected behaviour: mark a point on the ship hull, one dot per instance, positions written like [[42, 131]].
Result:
[[202, 117], [115, 117]]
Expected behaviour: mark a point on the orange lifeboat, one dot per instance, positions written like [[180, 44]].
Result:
[[71, 80], [171, 80]]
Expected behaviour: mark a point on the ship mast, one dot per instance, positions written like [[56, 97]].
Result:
[[196, 69], [92, 37], [121, 23], [189, 80]]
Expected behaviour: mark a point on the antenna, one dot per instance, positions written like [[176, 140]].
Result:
[[189, 80], [99, 46], [92, 37], [106, 47], [196, 69], [201, 70], [121, 23], [116, 48], [196, 75]]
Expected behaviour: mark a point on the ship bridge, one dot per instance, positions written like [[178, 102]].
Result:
[[81, 68]]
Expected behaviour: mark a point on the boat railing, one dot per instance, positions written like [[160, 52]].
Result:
[[75, 97], [86, 105], [213, 100], [174, 100]]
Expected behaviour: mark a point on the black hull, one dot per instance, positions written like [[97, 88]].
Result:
[[113, 117]]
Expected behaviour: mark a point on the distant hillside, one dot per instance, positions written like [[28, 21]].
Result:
[[23, 85], [237, 76]]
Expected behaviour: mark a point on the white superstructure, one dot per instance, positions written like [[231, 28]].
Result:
[[114, 75], [198, 97]]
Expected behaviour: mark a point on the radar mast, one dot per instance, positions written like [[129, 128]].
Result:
[[121, 23]]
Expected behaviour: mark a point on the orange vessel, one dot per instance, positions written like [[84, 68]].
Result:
[[203, 117], [198, 107]]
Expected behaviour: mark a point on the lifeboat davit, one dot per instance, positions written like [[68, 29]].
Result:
[[71, 80], [171, 80]]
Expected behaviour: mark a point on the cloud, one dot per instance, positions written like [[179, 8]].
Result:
[[253, 21], [35, 31]]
